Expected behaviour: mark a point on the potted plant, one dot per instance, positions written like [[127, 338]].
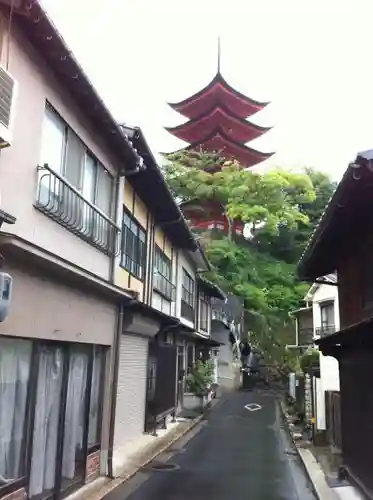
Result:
[[199, 385]]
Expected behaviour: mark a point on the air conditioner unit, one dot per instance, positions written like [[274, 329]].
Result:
[[7, 99]]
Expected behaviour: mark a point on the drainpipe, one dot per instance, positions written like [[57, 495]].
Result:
[[116, 212]]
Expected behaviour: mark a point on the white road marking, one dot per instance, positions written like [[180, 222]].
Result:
[[253, 407]]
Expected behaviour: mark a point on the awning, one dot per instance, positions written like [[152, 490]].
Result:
[[357, 336]]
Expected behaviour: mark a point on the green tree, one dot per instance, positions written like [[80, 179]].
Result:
[[266, 201], [281, 209], [290, 242]]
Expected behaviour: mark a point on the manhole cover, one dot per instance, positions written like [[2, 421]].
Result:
[[164, 467]]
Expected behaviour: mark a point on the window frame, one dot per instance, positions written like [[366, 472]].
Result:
[[30, 410], [123, 255], [204, 300], [87, 153], [22, 482], [161, 260], [188, 292]]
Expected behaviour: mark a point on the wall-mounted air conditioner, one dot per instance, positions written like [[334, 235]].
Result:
[[7, 100]]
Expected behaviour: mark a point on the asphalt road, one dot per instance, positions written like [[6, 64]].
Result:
[[235, 454]]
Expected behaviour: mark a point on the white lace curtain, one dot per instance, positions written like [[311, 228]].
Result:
[[15, 360], [48, 404]]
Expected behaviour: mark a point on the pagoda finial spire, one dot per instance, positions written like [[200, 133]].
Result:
[[219, 54]]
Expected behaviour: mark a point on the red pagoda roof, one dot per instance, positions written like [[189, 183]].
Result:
[[219, 142], [195, 130], [218, 92], [209, 214]]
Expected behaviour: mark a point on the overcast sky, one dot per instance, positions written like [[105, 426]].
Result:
[[311, 59]]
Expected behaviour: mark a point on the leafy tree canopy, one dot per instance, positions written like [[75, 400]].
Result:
[[268, 200], [281, 208]]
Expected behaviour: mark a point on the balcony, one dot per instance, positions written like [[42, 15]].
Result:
[[60, 201], [164, 286], [325, 330]]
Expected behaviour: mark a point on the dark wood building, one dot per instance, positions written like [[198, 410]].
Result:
[[343, 242]]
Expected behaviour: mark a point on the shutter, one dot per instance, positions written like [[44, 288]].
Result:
[[131, 392], [6, 97]]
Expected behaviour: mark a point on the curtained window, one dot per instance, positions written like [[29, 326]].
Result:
[[15, 362]]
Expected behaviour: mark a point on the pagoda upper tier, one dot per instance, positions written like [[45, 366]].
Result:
[[217, 123], [195, 130], [218, 92], [218, 141]]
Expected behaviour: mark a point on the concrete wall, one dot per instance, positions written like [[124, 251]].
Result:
[[45, 308]]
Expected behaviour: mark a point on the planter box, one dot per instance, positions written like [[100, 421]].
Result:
[[195, 404]]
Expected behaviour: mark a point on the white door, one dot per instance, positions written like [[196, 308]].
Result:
[[131, 392]]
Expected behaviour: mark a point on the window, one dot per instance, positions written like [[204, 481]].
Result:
[[188, 289], [53, 141], [73, 185], [133, 246], [47, 385], [162, 274], [187, 297], [15, 363], [327, 318], [204, 305], [67, 155]]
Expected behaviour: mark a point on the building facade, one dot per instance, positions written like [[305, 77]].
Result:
[[342, 243], [325, 319], [93, 242]]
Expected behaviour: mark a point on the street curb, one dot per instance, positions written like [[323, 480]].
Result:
[[313, 470], [111, 484]]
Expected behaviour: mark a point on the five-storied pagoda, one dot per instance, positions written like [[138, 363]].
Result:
[[217, 123]]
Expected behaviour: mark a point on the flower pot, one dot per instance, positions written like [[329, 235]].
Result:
[[192, 402]]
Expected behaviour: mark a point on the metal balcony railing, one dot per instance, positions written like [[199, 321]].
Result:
[[164, 286], [59, 200], [325, 330]]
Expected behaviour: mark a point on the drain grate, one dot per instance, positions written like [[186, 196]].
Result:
[[164, 467]]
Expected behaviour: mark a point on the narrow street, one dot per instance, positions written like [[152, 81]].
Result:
[[235, 454]]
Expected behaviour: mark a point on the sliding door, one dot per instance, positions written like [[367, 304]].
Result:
[[67, 417]]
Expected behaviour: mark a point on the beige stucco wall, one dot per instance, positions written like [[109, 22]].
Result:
[[18, 174], [49, 309], [136, 207]]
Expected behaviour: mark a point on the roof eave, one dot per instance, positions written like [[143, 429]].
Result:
[[108, 128]]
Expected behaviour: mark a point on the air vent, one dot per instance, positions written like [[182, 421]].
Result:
[[7, 96]]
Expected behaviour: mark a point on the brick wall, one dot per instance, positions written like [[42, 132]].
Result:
[[92, 468]]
